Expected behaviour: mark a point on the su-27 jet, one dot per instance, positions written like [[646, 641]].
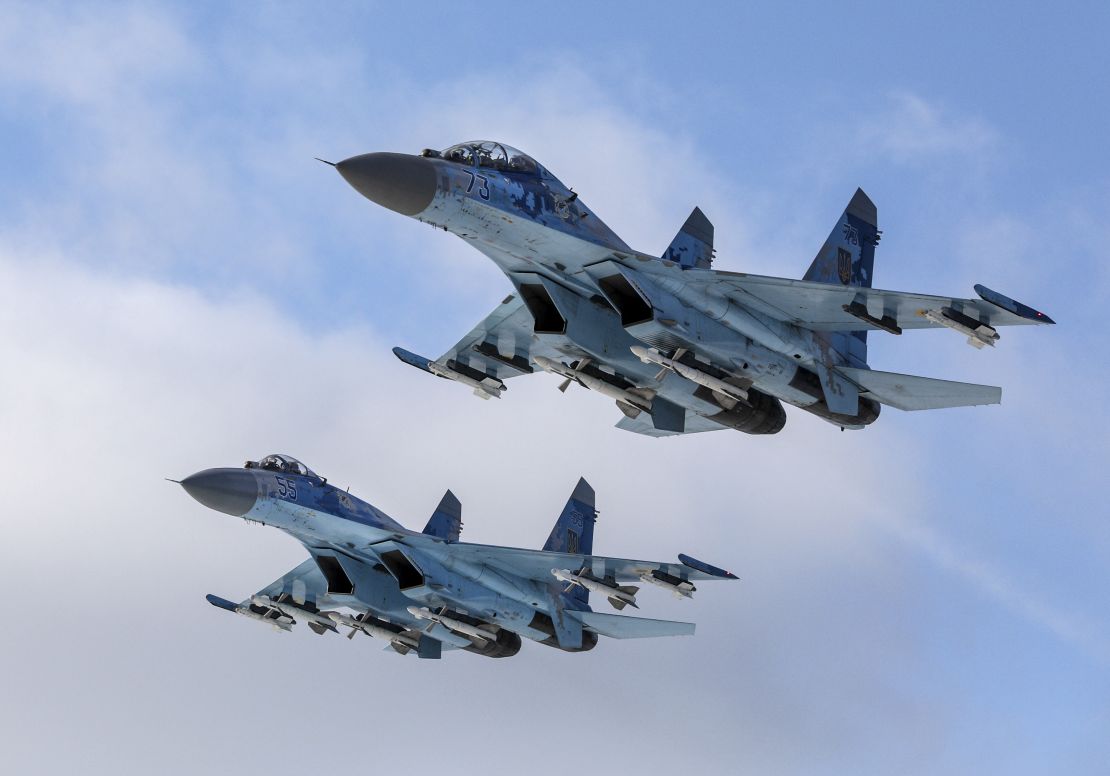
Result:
[[426, 592], [679, 346]]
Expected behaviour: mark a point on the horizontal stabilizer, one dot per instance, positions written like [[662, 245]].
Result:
[[618, 626], [908, 392]]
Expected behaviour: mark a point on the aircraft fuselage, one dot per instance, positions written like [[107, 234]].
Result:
[[387, 567], [595, 298]]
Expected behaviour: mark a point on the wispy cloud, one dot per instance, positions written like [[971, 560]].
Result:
[[1074, 627], [912, 129]]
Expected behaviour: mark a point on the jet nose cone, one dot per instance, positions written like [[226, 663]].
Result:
[[403, 183], [231, 491]]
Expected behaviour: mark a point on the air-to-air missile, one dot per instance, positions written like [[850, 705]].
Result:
[[693, 374], [373, 628], [619, 595], [483, 389], [294, 612], [680, 587], [978, 334], [465, 628], [734, 346], [594, 383], [280, 623], [428, 591]]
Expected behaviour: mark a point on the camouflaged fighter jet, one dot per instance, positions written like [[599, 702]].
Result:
[[680, 346], [427, 592]]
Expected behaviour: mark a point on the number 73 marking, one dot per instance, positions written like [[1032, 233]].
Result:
[[483, 190]]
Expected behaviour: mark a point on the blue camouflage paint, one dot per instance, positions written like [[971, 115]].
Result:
[[583, 299], [364, 561]]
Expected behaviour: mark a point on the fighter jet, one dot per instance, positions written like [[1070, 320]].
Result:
[[679, 346], [428, 592]]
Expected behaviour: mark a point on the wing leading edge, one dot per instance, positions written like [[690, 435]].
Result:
[[498, 348], [538, 564], [827, 307]]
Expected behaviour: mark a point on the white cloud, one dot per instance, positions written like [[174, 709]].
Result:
[[129, 363], [913, 129], [123, 382], [90, 58]]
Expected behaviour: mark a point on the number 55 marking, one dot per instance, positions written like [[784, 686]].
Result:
[[483, 190], [286, 488]]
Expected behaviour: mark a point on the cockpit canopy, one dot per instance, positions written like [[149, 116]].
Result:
[[497, 156], [286, 464]]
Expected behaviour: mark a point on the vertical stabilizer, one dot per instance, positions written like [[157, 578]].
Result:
[[848, 259], [446, 522], [848, 256], [693, 245], [574, 530]]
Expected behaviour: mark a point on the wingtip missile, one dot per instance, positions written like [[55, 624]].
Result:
[[485, 386], [280, 623]]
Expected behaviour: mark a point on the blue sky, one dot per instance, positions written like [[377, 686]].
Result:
[[183, 286]]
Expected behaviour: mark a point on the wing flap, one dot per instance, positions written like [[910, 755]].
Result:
[[909, 392], [619, 626]]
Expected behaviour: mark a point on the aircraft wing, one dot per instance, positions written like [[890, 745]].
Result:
[[538, 564], [305, 582], [821, 306], [301, 584], [306, 589], [496, 349], [507, 330]]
